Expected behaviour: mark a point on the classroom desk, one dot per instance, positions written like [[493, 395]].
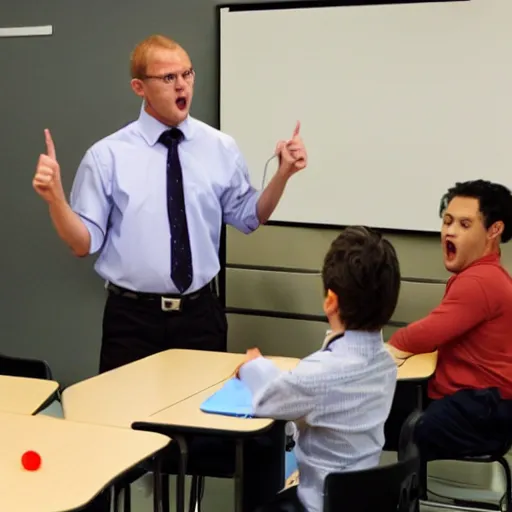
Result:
[[420, 366], [138, 390], [163, 392], [79, 461], [186, 418], [25, 395], [141, 389]]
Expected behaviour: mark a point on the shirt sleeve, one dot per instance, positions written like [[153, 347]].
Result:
[[463, 308], [240, 199], [91, 198], [277, 394]]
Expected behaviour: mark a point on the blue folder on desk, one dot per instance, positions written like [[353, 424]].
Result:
[[234, 398]]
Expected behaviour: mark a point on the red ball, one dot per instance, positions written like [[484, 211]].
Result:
[[31, 460]]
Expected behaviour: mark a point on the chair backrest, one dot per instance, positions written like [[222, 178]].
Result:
[[391, 488], [21, 367], [409, 397], [407, 447]]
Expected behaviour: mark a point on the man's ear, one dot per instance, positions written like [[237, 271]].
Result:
[[137, 87], [331, 303], [496, 230]]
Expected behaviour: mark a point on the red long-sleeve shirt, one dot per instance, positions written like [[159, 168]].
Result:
[[471, 329]]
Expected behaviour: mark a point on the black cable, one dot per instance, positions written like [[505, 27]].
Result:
[[265, 171]]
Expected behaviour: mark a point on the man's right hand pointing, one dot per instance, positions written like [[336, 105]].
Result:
[[47, 182], [292, 153]]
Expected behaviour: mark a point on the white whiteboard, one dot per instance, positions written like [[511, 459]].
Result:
[[397, 103]]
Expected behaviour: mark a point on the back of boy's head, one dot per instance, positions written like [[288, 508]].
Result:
[[362, 269]]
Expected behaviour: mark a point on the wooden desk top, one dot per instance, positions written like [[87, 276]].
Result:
[[23, 395], [420, 366], [78, 461], [140, 389], [187, 414], [168, 388]]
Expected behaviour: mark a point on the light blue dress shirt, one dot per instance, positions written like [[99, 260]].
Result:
[[339, 399], [120, 194]]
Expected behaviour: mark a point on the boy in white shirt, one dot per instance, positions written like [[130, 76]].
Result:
[[341, 395]]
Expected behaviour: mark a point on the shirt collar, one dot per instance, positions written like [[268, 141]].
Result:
[[358, 339], [331, 337], [151, 128], [494, 257]]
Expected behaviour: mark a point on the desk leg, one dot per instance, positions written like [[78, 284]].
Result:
[[127, 498], [182, 471], [157, 485], [126, 491], [114, 496], [239, 475], [196, 490]]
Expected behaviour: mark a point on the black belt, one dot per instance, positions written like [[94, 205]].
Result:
[[169, 302]]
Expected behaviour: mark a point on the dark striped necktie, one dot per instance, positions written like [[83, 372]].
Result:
[[181, 254]]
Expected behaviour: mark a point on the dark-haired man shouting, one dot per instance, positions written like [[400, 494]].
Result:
[[470, 409]]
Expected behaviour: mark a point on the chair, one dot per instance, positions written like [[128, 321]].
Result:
[[23, 367], [410, 396], [390, 488], [31, 368], [506, 501]]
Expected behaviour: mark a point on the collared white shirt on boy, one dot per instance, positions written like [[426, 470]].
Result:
[[339, 397]]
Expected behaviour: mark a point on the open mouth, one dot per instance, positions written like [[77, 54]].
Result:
[[451, 250], [181, 103]]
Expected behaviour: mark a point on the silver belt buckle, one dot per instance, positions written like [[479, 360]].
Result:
[[170, 304]]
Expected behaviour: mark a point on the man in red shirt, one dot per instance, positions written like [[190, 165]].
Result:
[[470, 409]]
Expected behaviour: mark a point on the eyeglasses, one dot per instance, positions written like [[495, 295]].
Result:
[[170, 78]]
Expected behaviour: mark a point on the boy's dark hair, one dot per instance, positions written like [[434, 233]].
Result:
[[495, 202], [362, 269]]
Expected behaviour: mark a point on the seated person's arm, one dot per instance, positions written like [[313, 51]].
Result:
[[463, 307], [398, 355], [282, 395]]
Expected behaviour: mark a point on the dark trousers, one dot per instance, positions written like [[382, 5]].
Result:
[[137, 328], [285, 501], [467, 423]]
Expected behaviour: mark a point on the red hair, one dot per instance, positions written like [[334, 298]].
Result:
[[140, 55]]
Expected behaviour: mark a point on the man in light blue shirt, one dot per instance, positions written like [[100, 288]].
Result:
[[340, 396], [151, 199]]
